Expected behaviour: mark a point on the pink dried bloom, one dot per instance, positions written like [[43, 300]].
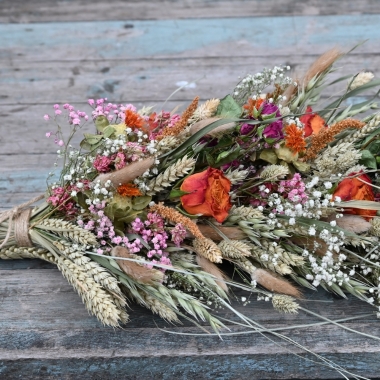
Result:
[[61, 199], [178, 234], [102, 164], [119, 161]]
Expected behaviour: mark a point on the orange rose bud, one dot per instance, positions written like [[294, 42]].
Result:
[[313, 122], [354, 189], [209, 194]]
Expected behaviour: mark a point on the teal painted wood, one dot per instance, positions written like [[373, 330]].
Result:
[[118, 40]]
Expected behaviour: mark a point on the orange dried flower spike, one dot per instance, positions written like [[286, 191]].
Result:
[[294, 139], [251, 104], [133, 120], [128, 190]]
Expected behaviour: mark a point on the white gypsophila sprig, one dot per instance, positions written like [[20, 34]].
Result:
[[253, 85]]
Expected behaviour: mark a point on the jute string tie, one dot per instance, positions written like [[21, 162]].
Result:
[[19, 217]]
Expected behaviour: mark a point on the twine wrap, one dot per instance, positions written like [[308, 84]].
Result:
[[19, 216], [21, 228]]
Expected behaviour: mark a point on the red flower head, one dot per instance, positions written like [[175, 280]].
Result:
[[354, 189], [313, 122], [209, 194]]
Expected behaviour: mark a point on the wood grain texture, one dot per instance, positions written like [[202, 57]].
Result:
[[223, 37], [40, 332], [55, 10]]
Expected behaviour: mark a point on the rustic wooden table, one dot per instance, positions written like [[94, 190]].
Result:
[[54, 51]]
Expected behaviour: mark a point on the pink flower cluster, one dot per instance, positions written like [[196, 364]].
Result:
[[104, 164], [152, 231], [294, 189], [164, 119], [100, 224], [178, 234], [61, 199], [110, 110]]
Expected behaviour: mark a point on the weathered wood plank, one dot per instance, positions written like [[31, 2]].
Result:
[[148, 80], [224, 37], [40, 330], [48, 10]]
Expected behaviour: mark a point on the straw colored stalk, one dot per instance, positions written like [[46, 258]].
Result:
[[97, 300], [176, 217], [178, 127], [211, 268], [234, 233], [321, 64], [208, 249], [274, 283], [128, 173], [138, 272]]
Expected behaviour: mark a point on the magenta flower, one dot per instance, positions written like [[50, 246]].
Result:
[[274, 130], [102, 164]]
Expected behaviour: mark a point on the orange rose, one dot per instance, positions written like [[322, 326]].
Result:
[[313, 122], [208, 194], [354, 189]]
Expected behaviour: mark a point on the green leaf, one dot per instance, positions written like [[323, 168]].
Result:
[[210, 159], [101, 123], [374, 147], [85, 145], [114, 264], [176, 193], [349, 94], [92, 139], [226, 157], [108, 131], [228, 107], [269, 116], [128, 218], [139, 203], [368, 159], [260, 131], [285, 154], [269, 155]]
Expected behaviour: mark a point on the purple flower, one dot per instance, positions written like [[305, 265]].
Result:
[[246, 129], [268, 108], [274, 130]]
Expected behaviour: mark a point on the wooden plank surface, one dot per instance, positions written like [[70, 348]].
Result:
[[18, 11], [67, 51]]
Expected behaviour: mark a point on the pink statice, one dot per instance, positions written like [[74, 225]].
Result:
[[61, 199], [102, 164], [178, 234], [119, 160]]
